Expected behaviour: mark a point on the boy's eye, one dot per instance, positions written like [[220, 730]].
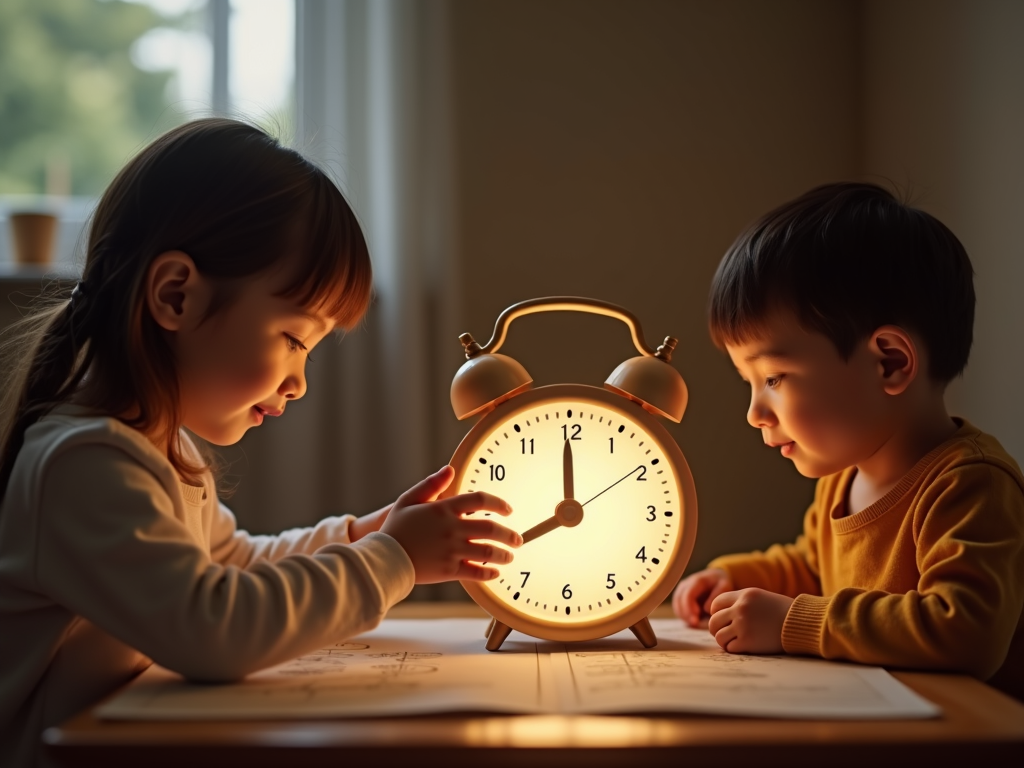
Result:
[[773, 381], [294, 344]]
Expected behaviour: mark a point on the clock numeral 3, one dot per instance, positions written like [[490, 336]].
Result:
[[650, 511], [497, 472]]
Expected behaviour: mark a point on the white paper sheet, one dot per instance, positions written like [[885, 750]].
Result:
[[407, 667]]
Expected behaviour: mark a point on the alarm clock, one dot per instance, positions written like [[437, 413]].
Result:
[[600, 492]]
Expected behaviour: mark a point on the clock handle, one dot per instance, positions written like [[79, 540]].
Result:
[[569, 304]]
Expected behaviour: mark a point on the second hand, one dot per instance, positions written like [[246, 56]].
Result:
[[614, 484]]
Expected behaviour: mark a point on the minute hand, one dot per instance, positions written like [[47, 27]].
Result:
[[631, 472]]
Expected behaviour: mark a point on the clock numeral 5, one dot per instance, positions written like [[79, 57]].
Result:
[[497, 472], [611, 581]]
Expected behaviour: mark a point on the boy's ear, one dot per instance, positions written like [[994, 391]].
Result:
[[897, 358], [176, 294]]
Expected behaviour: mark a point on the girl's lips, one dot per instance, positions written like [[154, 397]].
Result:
[[257, 414], [787, 448]]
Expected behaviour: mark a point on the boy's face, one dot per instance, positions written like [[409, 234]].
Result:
[[822, 412]]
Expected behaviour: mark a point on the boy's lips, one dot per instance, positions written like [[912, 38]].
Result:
[[787, 447], [260, 411]]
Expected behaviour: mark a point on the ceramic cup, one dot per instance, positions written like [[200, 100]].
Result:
[[33, 236]]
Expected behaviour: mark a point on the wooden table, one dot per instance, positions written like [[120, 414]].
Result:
[[980, 727]]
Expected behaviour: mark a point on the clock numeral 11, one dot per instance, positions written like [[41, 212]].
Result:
[[523, 442]]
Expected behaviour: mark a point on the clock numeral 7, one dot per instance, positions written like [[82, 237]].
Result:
[[525, 575], [611, 581], [576, 429]]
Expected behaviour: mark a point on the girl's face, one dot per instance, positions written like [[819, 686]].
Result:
[[245, 362]]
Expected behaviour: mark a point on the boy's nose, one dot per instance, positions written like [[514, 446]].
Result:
[[293, 387], [759, 415]]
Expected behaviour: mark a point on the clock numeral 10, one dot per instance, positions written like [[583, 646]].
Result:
[[523, 443], [497, 472]]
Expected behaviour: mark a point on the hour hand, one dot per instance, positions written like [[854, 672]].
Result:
[[541, 528]]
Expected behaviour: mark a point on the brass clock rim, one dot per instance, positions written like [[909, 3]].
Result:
[[661, 588]]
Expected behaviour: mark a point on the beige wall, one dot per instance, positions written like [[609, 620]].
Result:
[[614, 150], [944, 117]]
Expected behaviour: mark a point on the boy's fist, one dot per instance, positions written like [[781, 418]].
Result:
[[440, 541], [749, 620], [694, 595]]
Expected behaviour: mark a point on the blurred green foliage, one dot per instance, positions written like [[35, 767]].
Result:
[[70, 95]]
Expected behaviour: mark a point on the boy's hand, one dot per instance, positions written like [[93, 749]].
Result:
[[439, 541], [368, 523], [694, 595], [749, 620]]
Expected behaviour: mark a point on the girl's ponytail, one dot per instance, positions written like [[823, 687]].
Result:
[[44, 360]]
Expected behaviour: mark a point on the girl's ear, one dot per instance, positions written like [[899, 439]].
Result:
[[176, 294], [897, 358]]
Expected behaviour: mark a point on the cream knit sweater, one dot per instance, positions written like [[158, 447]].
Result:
[[109, 562]]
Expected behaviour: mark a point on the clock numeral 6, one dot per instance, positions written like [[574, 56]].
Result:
[[497, 472], [650, 511], [611, 581], [566, 592]]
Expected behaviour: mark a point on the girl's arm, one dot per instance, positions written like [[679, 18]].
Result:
[[111, 548]]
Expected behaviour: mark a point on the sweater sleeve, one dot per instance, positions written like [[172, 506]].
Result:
[[969, 528], [230, 546], [787, 569], [110, 549]]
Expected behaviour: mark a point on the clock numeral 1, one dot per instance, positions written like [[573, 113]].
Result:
[[611, 581], [642, 554], [611, 445], [497, 472], [576, 429], [650, 511], [525, 575], [522, 441], [566, 592]]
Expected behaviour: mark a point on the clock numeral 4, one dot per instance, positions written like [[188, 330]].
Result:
[[642, 554]]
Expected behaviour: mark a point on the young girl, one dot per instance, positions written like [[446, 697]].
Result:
[[217, 260]]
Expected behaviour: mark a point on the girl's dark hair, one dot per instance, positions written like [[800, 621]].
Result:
[[238, 203], [848, 258]]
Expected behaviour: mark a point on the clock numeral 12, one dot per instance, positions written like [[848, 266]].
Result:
[[576, 429]]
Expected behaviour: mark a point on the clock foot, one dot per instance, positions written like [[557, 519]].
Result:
[[644, 633], [487, 632], [497, 635]]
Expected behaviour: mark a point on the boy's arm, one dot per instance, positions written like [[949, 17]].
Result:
[[787, 569], [970, 556]]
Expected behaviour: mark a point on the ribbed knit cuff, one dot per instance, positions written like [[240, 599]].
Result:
[[801, 631]]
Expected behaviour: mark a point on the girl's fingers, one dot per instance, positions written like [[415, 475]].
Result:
[[486, 553], [477, 501], [725, 636], [475, 572], [720, 588], [490, 530], [719, 621], [427, 489]]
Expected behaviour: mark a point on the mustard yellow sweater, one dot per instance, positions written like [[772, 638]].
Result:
[[930, 576]]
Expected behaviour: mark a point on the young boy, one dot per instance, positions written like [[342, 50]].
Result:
[[848, 313]]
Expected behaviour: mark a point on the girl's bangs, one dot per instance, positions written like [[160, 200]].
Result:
[[336, 278]]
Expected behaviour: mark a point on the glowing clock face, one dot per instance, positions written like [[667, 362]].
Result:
[[595, 556]]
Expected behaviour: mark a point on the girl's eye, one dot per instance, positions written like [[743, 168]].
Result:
[[294, 344], [773, 381]]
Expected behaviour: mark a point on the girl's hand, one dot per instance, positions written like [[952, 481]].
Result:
[[441, 543], [749, 620], [694, 595], [368, 523]]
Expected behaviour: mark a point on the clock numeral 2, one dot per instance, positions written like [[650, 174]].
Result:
[[522, 441], [576, 429], [643, 471], [497, 472], [650, 511], [642, 554]]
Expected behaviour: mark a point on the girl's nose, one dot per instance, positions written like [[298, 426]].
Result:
[[759, 415], [294, 386]]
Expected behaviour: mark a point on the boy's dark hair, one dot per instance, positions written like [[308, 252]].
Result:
[[848, 258]]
